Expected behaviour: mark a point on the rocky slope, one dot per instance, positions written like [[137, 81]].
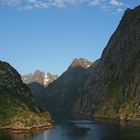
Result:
[[38, 92], [113, 91], [37, 82], [18, 109], [39, 77], [63, 92]]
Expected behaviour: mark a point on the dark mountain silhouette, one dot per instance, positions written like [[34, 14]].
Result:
[[18, 108], [64, 92], [113, 91]]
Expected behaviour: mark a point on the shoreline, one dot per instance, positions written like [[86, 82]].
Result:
[[26, 129], [89, 117]]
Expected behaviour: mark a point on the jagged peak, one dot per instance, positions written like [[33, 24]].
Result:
[[38, 71], [82, 62], [130, 12]]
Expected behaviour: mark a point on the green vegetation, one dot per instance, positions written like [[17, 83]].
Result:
[[119, 106], [26, 119], [18, 109], [14, 112]]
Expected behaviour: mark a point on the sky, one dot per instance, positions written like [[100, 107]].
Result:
[[49, 34]]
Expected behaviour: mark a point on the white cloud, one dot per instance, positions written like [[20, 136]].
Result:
[[116, 3], [105, 7], [10, 2], [36, 3], [95, 2], [30, 4], [58, 3]]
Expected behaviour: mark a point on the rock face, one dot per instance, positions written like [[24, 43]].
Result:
[[37, 82], [17, 100], [39, 77], [113, 91], [63, 92], [38, 92]]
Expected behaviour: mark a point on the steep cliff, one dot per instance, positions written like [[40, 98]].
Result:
[[64, 92], [18, 109], [113, 91]]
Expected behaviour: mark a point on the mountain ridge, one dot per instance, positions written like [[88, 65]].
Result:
[[19, 111], [39, 77], [113, 91], [63, 92]]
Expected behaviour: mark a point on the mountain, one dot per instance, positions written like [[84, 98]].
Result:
[[113, 91], [38, 92], [18, 109], [39, 77], [63, 92], [37, 82]]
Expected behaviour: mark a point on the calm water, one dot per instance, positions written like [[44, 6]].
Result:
[[82, 130]]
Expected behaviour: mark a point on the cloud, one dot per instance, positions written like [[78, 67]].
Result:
[[30, 4], [10, 2], [106, 5], [58, 3], [35, 4], [95, 2], [116, 3]]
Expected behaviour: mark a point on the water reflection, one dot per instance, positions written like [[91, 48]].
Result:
[[82, 130], [46, 134]]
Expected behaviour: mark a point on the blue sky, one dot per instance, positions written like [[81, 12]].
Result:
[[49, 34]]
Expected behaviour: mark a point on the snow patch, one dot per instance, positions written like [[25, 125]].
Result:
[[88, 66], [46, 79]]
